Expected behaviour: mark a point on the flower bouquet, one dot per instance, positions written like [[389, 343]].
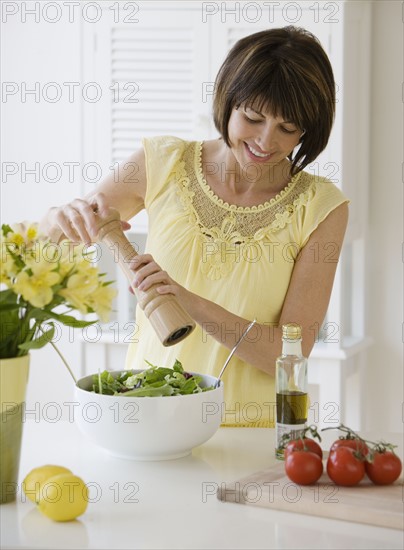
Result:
[[41, 283], [38, 277]]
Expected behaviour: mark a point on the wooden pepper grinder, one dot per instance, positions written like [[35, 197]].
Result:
[[168, 318]]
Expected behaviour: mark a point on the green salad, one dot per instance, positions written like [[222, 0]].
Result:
[[152, 382]]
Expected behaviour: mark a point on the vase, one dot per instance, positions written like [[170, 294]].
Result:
[[13, 384]]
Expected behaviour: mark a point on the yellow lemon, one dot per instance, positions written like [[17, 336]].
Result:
[[63, 497], [38, 476]]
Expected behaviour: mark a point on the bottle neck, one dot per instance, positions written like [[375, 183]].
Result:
[[292, 347]]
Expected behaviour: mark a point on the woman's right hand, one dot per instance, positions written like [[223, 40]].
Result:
[[77, 220]]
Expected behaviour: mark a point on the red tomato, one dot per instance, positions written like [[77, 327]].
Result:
[[355, 444], [384, 469], [344, 468], [303, 467], [305, 444]]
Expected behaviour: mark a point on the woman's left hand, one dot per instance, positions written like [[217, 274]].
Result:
[[148, 273]]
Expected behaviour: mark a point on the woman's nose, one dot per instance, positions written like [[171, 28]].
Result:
[[267, 137]]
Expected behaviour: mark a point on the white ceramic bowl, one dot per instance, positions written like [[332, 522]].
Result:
[[148, 428]]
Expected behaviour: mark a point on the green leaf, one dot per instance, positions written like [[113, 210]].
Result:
[[152, 382], [16, 256], [10, 327], [67, 320], [150, 391], [4, 306], [8, 296], [190, 386], [71, 321], [109, 384], [39, 342], [178, 366], [6, 229]]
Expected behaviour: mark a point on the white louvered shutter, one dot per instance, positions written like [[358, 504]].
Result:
[[152, 74], [153, 69]]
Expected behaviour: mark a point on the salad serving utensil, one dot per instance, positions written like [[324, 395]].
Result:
[[247, 330]]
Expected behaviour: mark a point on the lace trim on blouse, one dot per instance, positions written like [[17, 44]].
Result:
[[223, 227]]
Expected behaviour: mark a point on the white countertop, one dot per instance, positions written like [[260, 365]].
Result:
[[170, 504]]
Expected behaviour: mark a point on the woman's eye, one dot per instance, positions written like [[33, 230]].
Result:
[[259, 120], [252, 120], [248, 119], [288, 130]]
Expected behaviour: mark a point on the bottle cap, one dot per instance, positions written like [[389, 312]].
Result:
[[291, 331]]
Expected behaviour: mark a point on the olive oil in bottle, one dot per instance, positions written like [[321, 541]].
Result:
[[291, 387]]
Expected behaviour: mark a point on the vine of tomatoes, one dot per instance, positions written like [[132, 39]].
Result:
[[350, 458]]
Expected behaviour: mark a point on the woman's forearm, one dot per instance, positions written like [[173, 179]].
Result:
[[261, 346]]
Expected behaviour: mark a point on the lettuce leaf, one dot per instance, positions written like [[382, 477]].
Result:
[[152, 382]]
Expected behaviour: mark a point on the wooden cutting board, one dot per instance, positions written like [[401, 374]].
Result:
[[365, 503]]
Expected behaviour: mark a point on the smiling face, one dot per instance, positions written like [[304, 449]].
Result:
[[282, 71], [259, 137]]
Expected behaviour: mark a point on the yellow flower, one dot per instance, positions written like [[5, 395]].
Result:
[[101, 301], [16, 238], [66, 257], [32, 232], [79, 287], [73, 257], [41, 275], [87, 269], [25, 233], [8, 268], [37, 288], [42, 253]]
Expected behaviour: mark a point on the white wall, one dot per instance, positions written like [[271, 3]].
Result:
[[384, 379], [35, 130]]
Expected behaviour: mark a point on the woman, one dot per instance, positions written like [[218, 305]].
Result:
[[237, 229]]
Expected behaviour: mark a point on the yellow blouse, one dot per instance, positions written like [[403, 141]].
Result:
[[242, 258]]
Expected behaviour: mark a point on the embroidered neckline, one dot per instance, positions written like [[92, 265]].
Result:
[[224, 230], [233, 207]]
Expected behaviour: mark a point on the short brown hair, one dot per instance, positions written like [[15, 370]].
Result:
[[287, 72]]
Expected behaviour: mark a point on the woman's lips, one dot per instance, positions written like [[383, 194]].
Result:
[[259, 157]]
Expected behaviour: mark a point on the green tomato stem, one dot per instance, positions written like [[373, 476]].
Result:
[[378, 446]]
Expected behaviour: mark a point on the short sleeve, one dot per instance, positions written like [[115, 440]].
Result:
[[325, 198], [162, 154]]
